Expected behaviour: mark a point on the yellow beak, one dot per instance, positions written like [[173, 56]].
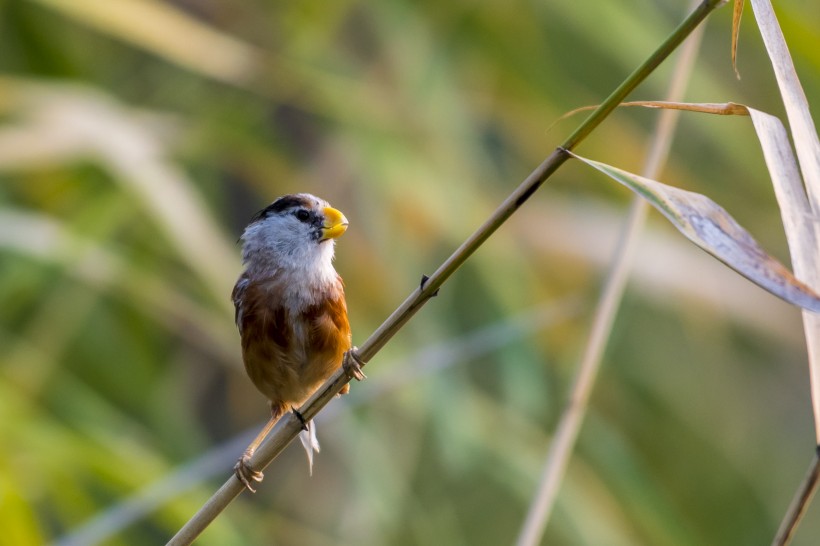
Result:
[[335, 224]]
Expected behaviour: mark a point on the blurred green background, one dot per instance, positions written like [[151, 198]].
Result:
[[138, 137]]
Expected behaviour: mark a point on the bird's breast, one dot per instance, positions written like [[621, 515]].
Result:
[[289, 350]]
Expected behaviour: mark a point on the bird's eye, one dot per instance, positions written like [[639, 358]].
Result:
[[303, 215]]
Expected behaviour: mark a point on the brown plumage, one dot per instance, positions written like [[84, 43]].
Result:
[[290, 309], [288, 353]]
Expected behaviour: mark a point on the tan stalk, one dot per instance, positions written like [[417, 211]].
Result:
[[571, 419]]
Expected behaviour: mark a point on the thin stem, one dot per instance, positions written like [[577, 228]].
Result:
[[800, 503], [572, 417], [289, 426]]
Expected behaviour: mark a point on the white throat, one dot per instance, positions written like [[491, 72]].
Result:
[[278, 250]]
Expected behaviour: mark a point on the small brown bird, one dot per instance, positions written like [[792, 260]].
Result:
[[290, 310]]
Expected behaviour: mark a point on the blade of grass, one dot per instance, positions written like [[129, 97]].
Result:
[[165, 30], [804, 133], [801, 233], [710, 227], [803, 244], [795, 208], [176, 37]]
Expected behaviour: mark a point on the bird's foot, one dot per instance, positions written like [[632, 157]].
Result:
[[352, 365], [301, 418], [245, 473]]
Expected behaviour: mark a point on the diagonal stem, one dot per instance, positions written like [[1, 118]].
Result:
[[289, 426], [800, 503]]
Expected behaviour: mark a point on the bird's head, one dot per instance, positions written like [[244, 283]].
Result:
[[295, 233]]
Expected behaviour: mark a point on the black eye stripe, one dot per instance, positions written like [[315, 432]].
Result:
[[302, 215]]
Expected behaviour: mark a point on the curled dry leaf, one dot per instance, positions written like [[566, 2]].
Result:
[[737, 13], [709, 226], [720, 108]]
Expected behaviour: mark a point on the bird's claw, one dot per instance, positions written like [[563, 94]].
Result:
[[352, 365], [246, 474], [301, 418]]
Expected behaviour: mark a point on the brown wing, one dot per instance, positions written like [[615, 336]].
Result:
[[266, 332], [328, 337], [238, 297]]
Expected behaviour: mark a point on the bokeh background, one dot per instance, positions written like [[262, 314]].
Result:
[[137, 138]]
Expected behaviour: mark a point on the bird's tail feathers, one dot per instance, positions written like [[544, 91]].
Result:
[[310, 442]]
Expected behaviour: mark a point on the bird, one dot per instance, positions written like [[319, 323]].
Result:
[[291, 312]]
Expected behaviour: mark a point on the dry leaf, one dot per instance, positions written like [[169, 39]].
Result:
[[737, 12], [709, 226]]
